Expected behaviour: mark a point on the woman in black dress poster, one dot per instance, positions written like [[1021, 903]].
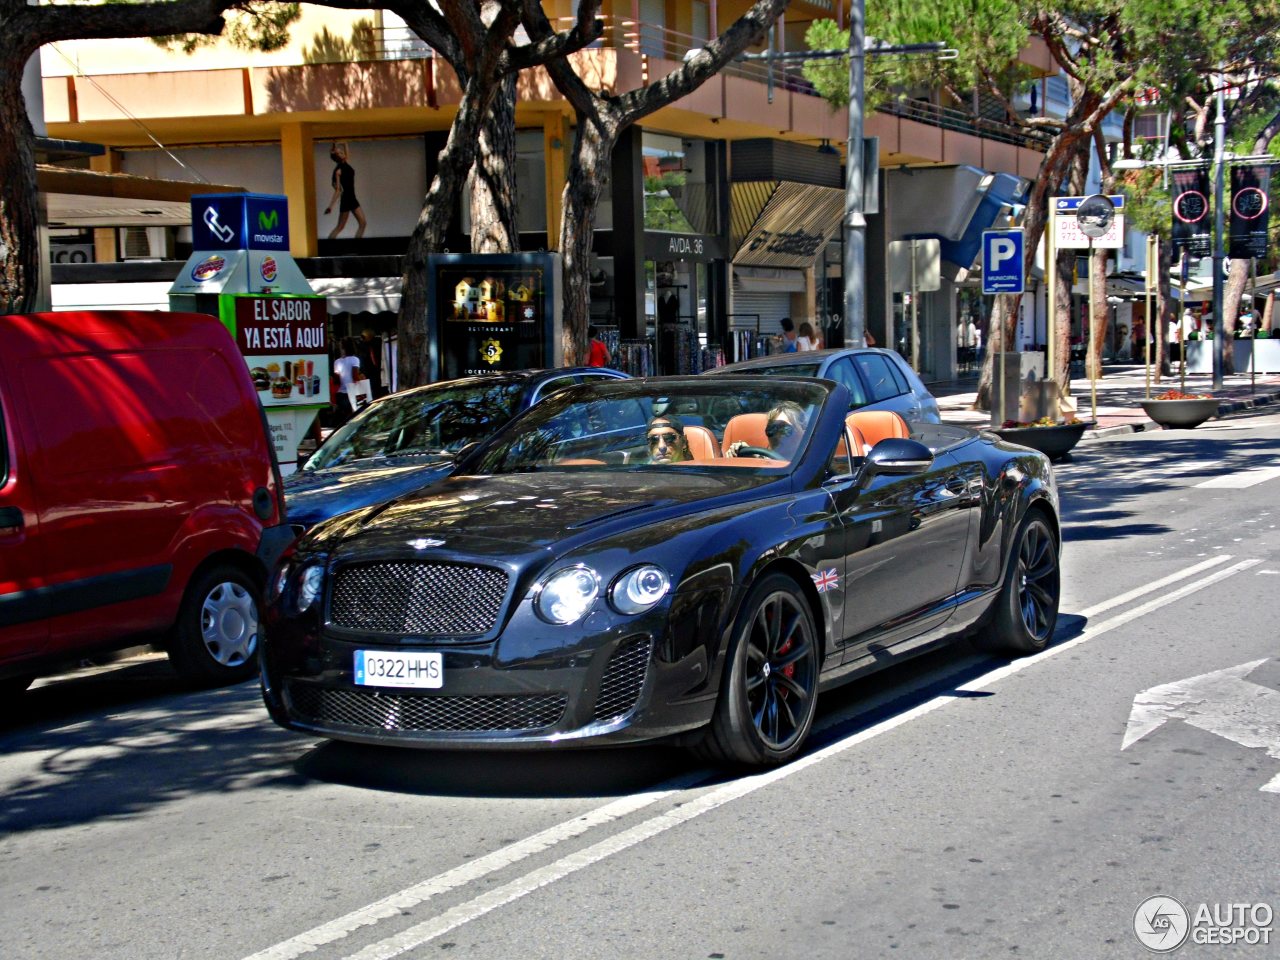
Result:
[[344, 192]]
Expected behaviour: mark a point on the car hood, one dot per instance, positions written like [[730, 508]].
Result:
[[315, 495], [512, 514]]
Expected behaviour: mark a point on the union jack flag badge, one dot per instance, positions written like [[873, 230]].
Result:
[[826, 580]]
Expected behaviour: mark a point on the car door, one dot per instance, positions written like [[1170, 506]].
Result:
[[885, 390], [905, 538], [24, 627]]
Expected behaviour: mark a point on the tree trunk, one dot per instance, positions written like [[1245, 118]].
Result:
[[1232, 293], [493, 185], [1097, 314], [1267, 312], [459, 153], [1167, 306], [1062, 309], [19, 214], [592, 149]]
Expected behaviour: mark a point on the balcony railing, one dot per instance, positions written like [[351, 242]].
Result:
[[650, 40]]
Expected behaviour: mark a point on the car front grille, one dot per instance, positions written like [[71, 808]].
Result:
[[376, 709], [623, 679], [418, 599]]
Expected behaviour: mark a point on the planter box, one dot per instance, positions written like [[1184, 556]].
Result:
[[1054, 442], [1200, 355], [1181, 414]]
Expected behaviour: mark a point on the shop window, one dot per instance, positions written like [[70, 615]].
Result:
[[679, 185]]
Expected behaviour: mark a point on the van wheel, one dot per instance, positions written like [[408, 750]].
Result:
[[215, 640]]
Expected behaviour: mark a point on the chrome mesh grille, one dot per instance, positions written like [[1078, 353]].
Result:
[[380, 710], [417, 599], [623, 679]]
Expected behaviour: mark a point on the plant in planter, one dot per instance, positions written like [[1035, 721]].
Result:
[[1174, 409], [1053, 438]]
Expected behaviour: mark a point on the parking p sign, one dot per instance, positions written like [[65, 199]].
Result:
[[1002, 261]]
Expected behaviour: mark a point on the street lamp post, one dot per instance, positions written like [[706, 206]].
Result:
[[1219, 326]]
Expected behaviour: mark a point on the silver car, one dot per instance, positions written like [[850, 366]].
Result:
[[877, 379]]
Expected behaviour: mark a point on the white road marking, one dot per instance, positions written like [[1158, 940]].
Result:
[[1222, 702], [1120, 600], [393, 905], [1240, 479], [464, 913]]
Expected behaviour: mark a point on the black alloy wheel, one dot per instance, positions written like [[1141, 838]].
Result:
[[1027, 608], [770, 690]]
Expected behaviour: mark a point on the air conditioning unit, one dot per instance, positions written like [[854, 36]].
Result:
[[146, 243]]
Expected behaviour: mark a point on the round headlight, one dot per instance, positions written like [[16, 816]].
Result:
[[639, 589], [567, 595], [310, 583]]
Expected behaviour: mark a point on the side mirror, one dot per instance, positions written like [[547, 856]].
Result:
[[897, 457]]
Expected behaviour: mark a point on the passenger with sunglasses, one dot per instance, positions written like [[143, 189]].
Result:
[[666, 440], [784, 429]]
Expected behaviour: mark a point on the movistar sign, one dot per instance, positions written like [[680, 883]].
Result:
[[269, 219], [240, 221]]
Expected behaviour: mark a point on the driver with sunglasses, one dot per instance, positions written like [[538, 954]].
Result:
[[784, 428], [666, 440]]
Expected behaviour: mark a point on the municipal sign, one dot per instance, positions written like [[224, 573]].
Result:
[[239, 221], [1002, 252]]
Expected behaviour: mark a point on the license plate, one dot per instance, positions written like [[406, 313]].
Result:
[[380, 668]]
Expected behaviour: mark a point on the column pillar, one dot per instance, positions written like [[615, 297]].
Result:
[[298, 162], [627, 170], [106, 243], [555, 147]]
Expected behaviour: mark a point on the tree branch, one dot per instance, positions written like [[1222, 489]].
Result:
[[51, 24]]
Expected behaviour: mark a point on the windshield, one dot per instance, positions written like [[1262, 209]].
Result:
[[782, 370], [669, 423], [430, 421]]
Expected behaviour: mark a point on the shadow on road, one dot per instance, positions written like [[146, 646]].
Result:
[[121, 741], [489, 773]]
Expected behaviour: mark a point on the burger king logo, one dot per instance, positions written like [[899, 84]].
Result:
[[208, 268], [268, 269]]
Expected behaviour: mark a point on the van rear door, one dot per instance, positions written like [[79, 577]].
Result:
[[24, 604]]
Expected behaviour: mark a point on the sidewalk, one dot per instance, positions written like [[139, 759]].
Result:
[[1120, 389]]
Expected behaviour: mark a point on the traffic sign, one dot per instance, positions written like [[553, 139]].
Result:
[[1002, 252], [1066, 227]]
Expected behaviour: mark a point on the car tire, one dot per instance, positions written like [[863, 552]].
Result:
[[1026, 610], [215, 640], [769, 693]]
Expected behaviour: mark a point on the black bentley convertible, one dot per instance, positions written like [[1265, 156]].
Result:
[[691, 558]]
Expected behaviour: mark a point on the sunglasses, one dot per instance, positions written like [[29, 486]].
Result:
[[662, 438], [778, 428]]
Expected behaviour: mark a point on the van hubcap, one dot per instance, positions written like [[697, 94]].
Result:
[[229, 624]]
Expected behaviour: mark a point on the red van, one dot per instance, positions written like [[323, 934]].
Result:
[[140, 499]]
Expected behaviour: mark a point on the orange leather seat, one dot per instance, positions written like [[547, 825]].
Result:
[[855, 433], [747, 427], [702, 443], [877, 425]]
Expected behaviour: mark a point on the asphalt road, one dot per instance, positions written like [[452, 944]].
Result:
[[955, 807]]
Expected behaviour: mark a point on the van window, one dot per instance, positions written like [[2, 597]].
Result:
[[113, 411]]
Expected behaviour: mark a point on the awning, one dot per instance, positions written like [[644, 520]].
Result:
[[141, 295], [360, 294], [768, 280], [88, 198], [789, 229]]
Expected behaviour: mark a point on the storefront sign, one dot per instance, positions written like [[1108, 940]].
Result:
[[793, 227], [682, 246], [1250, 210], [284, 343]]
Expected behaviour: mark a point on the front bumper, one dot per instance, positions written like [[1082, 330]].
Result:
[[606, 680]]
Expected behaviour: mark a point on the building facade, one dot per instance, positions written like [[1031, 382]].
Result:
[[723, 212]]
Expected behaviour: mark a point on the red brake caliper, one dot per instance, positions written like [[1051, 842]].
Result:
[[789, 671]]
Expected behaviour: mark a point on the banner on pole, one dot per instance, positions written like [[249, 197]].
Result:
[[1190, 189], [1250, 210]]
